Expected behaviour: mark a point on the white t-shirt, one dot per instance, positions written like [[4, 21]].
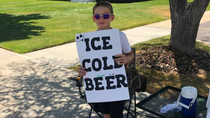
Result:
[[126, 48]]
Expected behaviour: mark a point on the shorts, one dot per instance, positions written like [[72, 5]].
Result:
[[115, 109]]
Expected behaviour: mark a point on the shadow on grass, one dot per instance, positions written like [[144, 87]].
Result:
[[18, 27]]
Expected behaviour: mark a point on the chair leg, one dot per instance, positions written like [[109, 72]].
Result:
[[99, 115], [128, 110], [90, 112], [129, 107], [135, 103]]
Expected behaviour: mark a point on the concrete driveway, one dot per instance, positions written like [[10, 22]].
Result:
[[204, 33]]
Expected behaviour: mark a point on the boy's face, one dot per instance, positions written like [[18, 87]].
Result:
[[103, 23]]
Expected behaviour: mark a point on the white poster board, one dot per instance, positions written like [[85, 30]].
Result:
[[105, 80]]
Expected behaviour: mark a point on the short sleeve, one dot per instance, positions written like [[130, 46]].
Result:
[[126, 48]]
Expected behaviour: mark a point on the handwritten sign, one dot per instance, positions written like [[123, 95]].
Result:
[[105, 80]]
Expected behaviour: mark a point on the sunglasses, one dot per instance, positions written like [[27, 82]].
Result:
[[105, 16]]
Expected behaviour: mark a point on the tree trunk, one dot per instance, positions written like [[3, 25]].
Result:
[[185, 20]]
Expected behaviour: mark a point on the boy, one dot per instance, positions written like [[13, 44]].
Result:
[[103, 16]]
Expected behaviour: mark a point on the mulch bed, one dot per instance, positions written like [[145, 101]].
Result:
[[163, 59]]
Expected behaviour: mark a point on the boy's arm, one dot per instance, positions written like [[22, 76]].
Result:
[[81, 71], [124, 58]]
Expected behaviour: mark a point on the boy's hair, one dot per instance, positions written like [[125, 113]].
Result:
[[104, 4]]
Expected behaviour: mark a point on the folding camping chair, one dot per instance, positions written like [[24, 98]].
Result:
[[135, 83]]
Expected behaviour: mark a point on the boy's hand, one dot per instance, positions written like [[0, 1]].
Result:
[[81, 71], [121, 59]]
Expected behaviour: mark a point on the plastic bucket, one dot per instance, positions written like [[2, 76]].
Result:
[[188, 102]]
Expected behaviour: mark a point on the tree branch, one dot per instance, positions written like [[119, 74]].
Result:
[[201, 3], [199, 7], [178, 6]]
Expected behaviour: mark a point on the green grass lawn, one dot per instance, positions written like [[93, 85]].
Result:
[[29, 25]]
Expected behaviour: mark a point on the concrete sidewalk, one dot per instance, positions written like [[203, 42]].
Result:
[[35, 84]]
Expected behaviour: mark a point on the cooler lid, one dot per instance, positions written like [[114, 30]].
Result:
[[189, 92]]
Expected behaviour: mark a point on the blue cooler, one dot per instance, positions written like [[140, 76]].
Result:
[[188, 102]]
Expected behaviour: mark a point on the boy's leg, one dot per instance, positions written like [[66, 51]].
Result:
[[116, 109], [106, 115]]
